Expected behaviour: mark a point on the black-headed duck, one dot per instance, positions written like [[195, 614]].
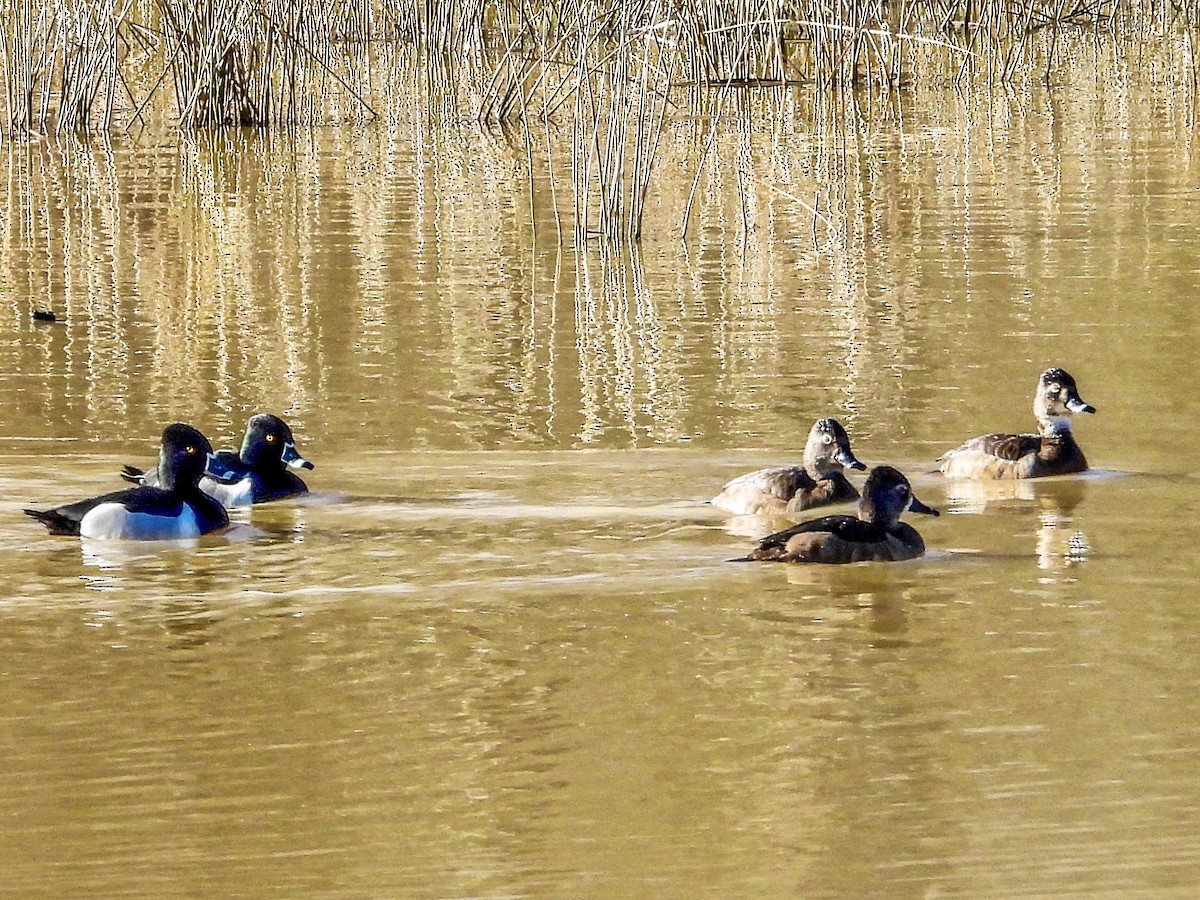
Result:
[[875, 535], [1052, 451], [175, 509], [785, 489], [261, 468]]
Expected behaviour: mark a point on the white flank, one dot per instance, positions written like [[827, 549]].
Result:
[[230, 496], [112, 521]]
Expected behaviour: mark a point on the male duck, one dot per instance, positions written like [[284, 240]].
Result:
[[876, 535], [1052, 451], [174, 510], [784, 489], [261, 467]]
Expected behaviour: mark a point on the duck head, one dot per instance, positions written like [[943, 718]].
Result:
[[1057, 398], [886, 496], [185, 456], [828, 449], [269, 441]]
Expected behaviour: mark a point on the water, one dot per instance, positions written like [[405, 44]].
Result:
[[499, 651]]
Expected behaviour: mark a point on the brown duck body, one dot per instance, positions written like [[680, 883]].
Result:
[[1052, 451], [876, 534], [836, 540], [783, 489], [1001, 456]]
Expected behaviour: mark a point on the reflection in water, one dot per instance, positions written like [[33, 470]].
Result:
[[1059, 543], [502, 647], [629, 367], [861, 731], [118, 555], [133, 558], [396, 261]]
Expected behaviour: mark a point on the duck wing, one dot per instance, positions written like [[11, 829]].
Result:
[[835, 488], [65, 519], [1002, 446], [849, 529], [783, 482]]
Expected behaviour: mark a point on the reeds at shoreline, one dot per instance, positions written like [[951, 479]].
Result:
[[611, 73]]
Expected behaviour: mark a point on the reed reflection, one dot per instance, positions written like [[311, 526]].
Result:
[[396, 270], [630, 369]]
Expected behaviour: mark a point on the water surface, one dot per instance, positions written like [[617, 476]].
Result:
[[499, 651]]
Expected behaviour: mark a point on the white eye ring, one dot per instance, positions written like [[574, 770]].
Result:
[[1054, 388], [827, 438]]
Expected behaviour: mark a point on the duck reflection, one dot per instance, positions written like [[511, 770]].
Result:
[[885, 609], [117, 556], [757, 526], [1059, 543], [287, 522]]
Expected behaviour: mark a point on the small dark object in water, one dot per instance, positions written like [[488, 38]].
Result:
[[44, 315]]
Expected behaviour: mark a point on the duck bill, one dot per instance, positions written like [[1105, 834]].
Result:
[[292, 458], [846, 459], [1076, 405], [918, 507], [217, 470]]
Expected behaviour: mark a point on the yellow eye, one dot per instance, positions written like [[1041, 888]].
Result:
[[270, 438], [191, 450]]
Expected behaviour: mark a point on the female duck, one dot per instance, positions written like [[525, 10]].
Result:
[[785, 489], [174, 510], [1052, 451], [876, 535], [260, 468]]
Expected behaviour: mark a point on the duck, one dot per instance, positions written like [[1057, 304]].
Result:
[[786, 489], [1052, 451], [876, 534], [262, 467], [175, 509]]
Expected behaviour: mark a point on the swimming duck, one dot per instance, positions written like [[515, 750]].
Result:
[[784, 489], [261, 467], [875, 535], [174, 510], [1052, 451]]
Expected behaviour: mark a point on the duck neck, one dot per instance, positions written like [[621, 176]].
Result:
[[820, 468], [252, 452], [1057, 445], [876, 514], [1056, 429], [166, 472]]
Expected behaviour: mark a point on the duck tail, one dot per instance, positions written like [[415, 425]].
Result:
[[55, 522]]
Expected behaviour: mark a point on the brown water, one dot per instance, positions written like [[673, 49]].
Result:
[[499, 651]]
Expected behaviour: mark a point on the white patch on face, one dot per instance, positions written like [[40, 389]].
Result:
[[112, 521], [298, 462], [240, 493]]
